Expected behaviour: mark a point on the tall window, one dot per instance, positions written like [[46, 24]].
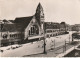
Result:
[[34, 30]]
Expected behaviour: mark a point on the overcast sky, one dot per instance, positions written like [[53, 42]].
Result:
[[54, 10]]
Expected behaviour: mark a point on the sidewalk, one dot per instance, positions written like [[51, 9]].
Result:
[[52, 53]]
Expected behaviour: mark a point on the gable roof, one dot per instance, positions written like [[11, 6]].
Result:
[[19, 24], [23, 19]]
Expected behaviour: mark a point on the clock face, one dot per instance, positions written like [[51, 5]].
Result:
[[34, 20]]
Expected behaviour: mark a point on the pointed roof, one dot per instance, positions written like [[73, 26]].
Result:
[[38, 12], [39, 7]]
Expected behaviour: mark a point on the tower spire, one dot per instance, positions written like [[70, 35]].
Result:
[[39, 13], [39, 8]]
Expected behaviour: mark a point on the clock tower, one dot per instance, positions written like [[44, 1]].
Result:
[[40, 15]]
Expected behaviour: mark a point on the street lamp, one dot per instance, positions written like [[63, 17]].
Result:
[[44, 39]]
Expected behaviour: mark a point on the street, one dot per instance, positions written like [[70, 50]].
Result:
[[36, 47]]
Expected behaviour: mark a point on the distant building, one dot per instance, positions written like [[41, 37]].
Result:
[[52, 29], [68, 27], [6, 21], [76, 27], [65, 27]]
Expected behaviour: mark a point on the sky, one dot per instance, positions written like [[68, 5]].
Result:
[[54, 10]]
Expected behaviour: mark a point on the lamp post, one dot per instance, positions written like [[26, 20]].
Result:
[[44, 39]]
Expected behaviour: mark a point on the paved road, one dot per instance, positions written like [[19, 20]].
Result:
[[36, 47]]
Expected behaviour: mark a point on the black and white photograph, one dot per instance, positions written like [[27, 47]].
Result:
[[40, 28]]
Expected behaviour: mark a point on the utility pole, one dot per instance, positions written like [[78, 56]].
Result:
[[44, 47], [44, 39]]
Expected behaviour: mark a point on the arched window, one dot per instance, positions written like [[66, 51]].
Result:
[[34, 30]]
